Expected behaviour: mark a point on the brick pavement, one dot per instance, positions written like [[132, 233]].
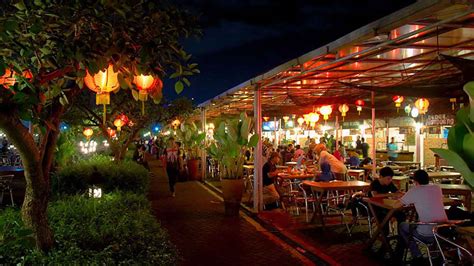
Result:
[[203, 236]]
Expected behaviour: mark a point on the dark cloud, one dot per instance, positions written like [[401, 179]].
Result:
[[243, 38]]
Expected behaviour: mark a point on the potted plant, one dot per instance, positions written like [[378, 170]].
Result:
[[231, 139], [192, 141], [461, 140]]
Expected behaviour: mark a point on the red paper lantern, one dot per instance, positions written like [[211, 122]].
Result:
[[359, 103], [8, 79], [398, 101], [145, 85], [112, 133], [120, 121]]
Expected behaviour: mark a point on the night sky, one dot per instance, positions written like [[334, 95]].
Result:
[[245, 38]]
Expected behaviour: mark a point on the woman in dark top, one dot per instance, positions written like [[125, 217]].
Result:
[[269, 172]]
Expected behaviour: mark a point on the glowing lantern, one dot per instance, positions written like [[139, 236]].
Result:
[[146, 84], [175, 123], [325, 110], [286, 118], [102, 83], [88, 132], [398, 101], [313, 118], [414, 112], [453, 102], [120, 121], [408, 109], [306, 118], [422, 104], [8, 79], [266, 118], [343, 109], [359, 103], [300, 121], [112, 133]]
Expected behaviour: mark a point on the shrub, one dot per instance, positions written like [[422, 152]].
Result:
[[116, 229], [123, 176]]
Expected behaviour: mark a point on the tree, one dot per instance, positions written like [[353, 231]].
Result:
[[56, 42], [87, 114]]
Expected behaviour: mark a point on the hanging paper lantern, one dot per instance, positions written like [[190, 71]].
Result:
[[359, 103], [313, 118], [120, 121], [266, 118], [414, 112], [306, 118], [453, 102], [343, 108], [112, 133], [88, 132], [176, 123], [422, 104], [300, 121], [8, 79], [398, 101], [286, 118], [408, 109], [325, 110], [102, 83], [145, 85]]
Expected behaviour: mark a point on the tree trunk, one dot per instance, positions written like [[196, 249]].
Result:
[[35, 204]]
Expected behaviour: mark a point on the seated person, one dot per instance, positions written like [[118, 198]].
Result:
[[383, 187], [269, 173], [337, 167], [326, 174], [298, 152], [428, 201], [354, 159]]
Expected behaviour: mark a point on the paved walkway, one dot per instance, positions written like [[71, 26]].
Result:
[[203, 236]]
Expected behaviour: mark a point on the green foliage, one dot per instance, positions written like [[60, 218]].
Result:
[[116, 229], [232, 139], [100, 170], [461, 140], [191, 139], [66, 149]]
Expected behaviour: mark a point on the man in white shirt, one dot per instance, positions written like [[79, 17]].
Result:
[[428, 201], [337, 167]]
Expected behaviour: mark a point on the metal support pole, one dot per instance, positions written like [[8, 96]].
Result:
[[258, 157], [275, 132], [203, 150], [337, 133], [374, 155]]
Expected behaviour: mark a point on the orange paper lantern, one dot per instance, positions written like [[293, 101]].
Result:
[[120, 121], [344, 108], [88, 132], [112, 133], [102, 83], [422, 104], [145, 85]]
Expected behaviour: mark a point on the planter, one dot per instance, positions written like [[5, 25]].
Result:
[[193, 169], [232, 190]]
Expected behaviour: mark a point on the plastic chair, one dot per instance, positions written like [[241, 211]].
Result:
[[362, 214], [6, 185], [307, 198]]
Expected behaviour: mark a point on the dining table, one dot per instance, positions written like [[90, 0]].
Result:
[[394, 167], [458, 190], [296, 175], [357, 174], [440, 175], [322, 187]]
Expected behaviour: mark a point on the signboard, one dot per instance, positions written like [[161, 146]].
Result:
[[350, 125], [439, 120]]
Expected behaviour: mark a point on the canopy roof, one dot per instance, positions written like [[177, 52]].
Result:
[[423, 50]]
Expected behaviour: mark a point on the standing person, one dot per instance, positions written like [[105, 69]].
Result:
[[358, 143], [337, 167], [365, 148], [428, 201], [172, 164], [392, 150]]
